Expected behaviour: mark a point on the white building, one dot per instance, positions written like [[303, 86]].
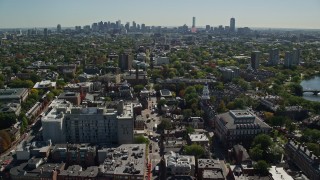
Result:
[[65, 123], [179, 165], [53, 121], [45, 85], [200, 139]]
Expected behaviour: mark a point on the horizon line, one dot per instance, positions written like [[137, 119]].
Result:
[[202, 27]]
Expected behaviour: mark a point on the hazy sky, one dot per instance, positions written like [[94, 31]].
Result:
[[251, 13]]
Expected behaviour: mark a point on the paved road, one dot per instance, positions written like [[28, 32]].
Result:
[[153, 155]]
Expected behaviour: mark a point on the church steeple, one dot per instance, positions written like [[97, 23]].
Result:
[[205, 93]]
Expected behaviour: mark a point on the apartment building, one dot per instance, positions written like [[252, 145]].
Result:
[[66, 123], [302, 157]]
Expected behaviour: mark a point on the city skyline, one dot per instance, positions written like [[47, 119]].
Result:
[[250, 13]]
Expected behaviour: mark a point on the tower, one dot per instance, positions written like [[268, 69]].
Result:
[[59, 28], [45, 32], [296, 56], [134, 25], [127, 26], [232, 25], [193, 22], [125, 61], [274, 57], [193, 29], [288, 59], [255, 58]]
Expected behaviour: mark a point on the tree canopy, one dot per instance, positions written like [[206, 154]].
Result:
[[262, 168], [195, 150], [141, 140]]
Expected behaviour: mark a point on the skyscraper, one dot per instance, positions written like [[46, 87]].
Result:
[[207, 28], [274, 57], [118, 24], [59, 28], [134, 25], [292, 58], [193, 29], [288, 59], [127, 26], [255, 58], [193, 22], [296, 57], [125, 61], [232, 25], [45, 32]]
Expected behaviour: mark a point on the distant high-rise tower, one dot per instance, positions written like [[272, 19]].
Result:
[[288, 59], [193, 22], [118, 24], [274, 57], [127, 26], [134, 25], [207, 28], [59, 28], [125, 61], [255, 58], [45, 32], [193, 29], [232, 25], [292, 58], [296, 57]]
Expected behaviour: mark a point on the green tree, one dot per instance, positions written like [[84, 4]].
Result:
[[189, 129], [17, 83], [138, 88], [56, 92], [187, 113], [263, 140], [195, 150], [314, 147], [141, 140], [50, 96], [262, 168], [165, 125], [239, 103], [296, 89], [311, 135], [222, 107], [7, 120], [24, 124], [256, 152], [157, 87], [220, 86]]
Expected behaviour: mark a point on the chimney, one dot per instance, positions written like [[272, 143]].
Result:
[[120, 107], [310, 153]]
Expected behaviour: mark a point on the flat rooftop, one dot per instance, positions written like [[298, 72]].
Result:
[[126, 159]]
